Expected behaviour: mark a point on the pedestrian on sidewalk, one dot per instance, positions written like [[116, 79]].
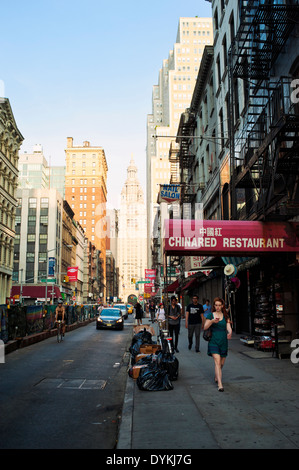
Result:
[[207, 308], [152, 310], [194, 322], [218, 320], [139, 312], [161, 316], [174, 318]]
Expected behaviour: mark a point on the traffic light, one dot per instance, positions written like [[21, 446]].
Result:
[[133, 280], [66, 279]]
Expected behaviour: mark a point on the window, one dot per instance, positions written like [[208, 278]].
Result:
[[44, 202], [32, 203], [224, 51]]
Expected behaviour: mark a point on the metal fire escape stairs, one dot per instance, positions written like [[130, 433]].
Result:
[[264, 153]]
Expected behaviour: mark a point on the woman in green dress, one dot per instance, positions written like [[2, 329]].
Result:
[[221, 328]]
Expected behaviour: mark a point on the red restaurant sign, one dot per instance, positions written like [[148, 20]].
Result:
[[187, 237]]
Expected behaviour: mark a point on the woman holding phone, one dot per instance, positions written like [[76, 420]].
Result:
[[220, 324]]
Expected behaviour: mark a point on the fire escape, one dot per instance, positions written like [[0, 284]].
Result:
[[265, 152], [184, 155]]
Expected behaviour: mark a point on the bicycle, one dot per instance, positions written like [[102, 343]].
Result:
[[165, 340], [59, 331]]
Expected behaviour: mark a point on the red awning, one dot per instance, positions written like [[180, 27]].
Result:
[[36, 292], [190, 284], [172, 287]]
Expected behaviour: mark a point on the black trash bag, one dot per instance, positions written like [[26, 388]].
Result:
[[154, 379], [143, 337], [146, 360], [134, 349], [170, 363], [146, 336]]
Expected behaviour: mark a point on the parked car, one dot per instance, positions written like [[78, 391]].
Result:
[[123, 309], [110, 318], [130, 308]]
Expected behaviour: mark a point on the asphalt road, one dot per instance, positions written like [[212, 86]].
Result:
[[65, 395]]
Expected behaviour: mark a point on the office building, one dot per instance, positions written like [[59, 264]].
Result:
[[86, 192], [170, 97]]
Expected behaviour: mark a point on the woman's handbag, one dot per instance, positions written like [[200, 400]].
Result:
[[207, 334]]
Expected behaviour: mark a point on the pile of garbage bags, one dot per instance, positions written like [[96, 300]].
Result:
[[143, 337], [160, 369]]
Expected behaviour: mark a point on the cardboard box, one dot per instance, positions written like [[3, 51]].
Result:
[[149, 348], [136, 370], [148, 328]]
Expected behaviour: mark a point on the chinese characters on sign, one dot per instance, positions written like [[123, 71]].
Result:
[[215, 236]]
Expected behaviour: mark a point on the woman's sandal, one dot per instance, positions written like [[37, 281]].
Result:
[[220, 389]]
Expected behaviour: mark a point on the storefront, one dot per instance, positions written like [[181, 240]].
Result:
[[30, 294], [264, 293]]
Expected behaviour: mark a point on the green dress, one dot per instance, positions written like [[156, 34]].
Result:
[[218, 343]]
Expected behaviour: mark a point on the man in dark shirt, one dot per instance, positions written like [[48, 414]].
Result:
[[194, 320]]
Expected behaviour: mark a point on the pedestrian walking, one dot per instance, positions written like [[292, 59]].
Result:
[[194, 322], [174, 318], [152, 310], [139, 312], [207, 308], [219, 322], [161, 316]]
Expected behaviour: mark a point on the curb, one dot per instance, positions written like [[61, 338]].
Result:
[[125, 430]]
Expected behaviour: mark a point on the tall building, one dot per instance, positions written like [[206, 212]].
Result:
[[46, 234], [57, 179], [35, 171], [170, 97], [38, 241], [10, 142], [132, 242], [86, 192]]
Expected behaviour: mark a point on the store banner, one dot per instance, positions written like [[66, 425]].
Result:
[[187, 237], [169, 193], [72, 273], [150, 274]]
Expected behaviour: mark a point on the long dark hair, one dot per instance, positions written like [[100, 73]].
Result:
[[226, 316]]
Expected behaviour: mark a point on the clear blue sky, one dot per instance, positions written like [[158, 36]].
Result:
[[85, 69]]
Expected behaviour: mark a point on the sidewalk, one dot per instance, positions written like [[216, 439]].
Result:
[[257, 410]]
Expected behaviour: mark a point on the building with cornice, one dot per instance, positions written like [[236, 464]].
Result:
[[10, 142], [86, 193], [132, 241]]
